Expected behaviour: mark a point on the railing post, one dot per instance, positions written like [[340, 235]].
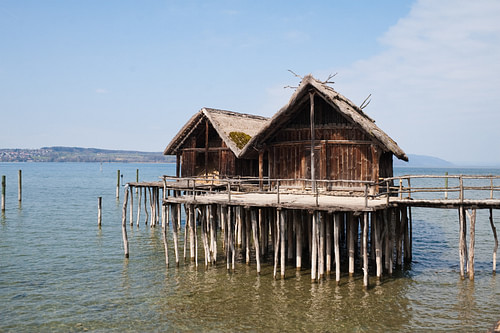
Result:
[[388, 191], [461, 188], [446, 185], [400, 188], [317, 196], [409, 189], [228, 191], [194, 189], [278, 190], [366, 195], [491, 188]]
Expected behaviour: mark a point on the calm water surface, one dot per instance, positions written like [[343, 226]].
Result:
[[59, 272]]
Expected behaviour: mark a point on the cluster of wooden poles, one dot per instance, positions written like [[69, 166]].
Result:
[[19, 190], [467, 259], [322, 240]]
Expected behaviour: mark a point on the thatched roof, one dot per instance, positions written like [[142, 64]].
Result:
[[229, 125], [336, 100]]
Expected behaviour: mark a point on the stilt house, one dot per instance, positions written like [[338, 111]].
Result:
[[318, 124], [211, 142]]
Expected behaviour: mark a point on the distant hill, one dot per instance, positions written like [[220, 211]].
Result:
[[77, 154], [423, 161]]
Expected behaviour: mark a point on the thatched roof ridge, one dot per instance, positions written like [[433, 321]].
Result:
[[224, 122], [344, 105]]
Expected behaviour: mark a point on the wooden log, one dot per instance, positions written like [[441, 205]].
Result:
[[204, 235], [99, 211], [117, 184], [321, 246], [131, 207], [190, 224], [314, 245], [472, 240], [213, 234], [378, 246], [298, 239], [19, 186], [276, 240], [289, 230], [255, 238], [124, 223], [176, 215], [195, 234], [145, 206], [353, 234], [336, 227], [495, 248], [239, 226], [186, 232], [224, 219], [399, 238], [462, 241], [3, 193], [164, 233], [263, 228], [246, 233], [328, 249], [365, 250], [139, 206], [283, 222], [410, 225], [406, 236], [231, 237]]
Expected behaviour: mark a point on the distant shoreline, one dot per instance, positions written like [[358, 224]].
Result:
[[77, 154]]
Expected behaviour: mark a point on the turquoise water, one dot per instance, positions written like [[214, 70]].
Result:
[[60, 272]]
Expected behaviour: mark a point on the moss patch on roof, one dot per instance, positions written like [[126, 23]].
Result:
[[239, 138]]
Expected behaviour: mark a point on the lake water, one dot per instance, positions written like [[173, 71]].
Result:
[[60, 272]]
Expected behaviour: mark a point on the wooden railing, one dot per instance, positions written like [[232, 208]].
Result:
[[441, 187], [195, 186]]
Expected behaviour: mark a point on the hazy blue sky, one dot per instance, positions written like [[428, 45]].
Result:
[[128, 74]]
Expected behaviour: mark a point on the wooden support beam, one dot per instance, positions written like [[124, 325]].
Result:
[[353, 234], [365, 250], [495, 248], [321, 245], [336, 228], [298, 239], [276, 239], [176, 213], [124, 223], [314, 245], [328, 249], [472, 240], [462, 243], [255, 238], [378, 245], [283, 222]]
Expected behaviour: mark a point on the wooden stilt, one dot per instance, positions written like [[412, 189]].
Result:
[[283, 221], [124, 223], [139, 192], [462, 243], [175, 215], [231, 236], [495, 248], [365, 252], [298, 240], [353, 232], [190, 224], [378, 246], [314, 244], [321, 246], [145, 206], [99, 211], [289, 236], [276, 240], [472, 240], [195, 234], [255, 238], [204, 235], [164, 232], [328, 249], [336, 227], [131, 207]]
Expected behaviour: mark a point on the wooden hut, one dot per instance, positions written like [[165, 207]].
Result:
[[210, 143], [319, 124]]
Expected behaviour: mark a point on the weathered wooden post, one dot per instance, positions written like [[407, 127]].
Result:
[[462, 241], [314, 245], [99, 211], [3, 193], [472, 240], [255, 238], [136, 179], [496, 241], [124, 223], [282, 242], [336, 225], [446, 185], [118, 184], [365, 250], [20, 186]]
